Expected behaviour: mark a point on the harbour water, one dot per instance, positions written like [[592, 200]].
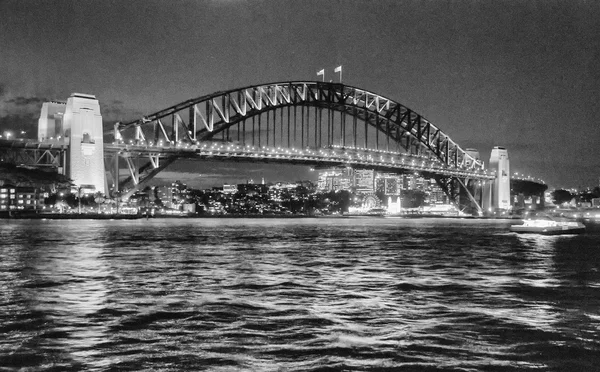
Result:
[[347, 294]]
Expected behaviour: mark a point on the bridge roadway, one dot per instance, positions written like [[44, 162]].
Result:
[[51, 153], [386, 161], [24, 143], [35, 153]]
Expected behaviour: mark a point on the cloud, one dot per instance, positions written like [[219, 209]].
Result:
[[12, 104], [19, 113], [115, 110], [20, 122], [26, 101]]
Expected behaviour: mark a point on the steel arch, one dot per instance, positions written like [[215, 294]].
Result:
[[214, 113]]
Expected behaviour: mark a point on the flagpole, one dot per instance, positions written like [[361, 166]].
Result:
[[322, 73], [339, 69]]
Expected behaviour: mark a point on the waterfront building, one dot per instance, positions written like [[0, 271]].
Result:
[[8, 196], [435, 194], [280, 191], [230, 189], [332, 179], [389, 183], [364, 180], [21, 198], [173, 196], [252, 188]]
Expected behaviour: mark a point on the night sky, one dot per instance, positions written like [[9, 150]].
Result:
[[519, 74]]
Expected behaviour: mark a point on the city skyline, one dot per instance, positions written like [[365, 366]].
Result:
[[518, 75]]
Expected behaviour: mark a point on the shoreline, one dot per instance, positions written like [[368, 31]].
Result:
[[114, 216]]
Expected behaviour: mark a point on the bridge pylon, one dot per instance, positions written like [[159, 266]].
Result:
[[497, 192], [82, 125]]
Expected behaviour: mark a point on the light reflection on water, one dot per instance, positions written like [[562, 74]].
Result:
[[296, 294]]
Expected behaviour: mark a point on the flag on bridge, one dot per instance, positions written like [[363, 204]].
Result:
[[321, 73], [339, 69]]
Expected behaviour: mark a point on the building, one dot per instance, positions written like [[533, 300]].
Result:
[[173, 196], [252, 188], [332, 179], [389, 183], [364, 180], [8, 196], [230, 189], [280, 191], [20, 198]]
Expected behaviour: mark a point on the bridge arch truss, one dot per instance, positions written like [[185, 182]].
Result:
[[294, 115]]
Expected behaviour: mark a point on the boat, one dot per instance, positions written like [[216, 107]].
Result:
[[547, 225]]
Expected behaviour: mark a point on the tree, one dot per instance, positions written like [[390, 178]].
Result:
[[413, 198], [561, 196]]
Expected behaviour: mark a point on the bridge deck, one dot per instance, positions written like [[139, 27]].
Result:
[[334, 156]]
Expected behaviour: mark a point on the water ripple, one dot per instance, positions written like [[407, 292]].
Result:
[[298, 295]]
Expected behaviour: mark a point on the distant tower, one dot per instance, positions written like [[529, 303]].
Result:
[[500, 187], [474, 153], [82, 124], [50, 123]]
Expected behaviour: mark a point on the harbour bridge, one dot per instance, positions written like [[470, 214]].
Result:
[[298, 122]]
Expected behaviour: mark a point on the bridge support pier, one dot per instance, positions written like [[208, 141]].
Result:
[[138, 175], [499, 189], [464, 193]]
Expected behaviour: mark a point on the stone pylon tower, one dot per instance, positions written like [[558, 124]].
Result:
[[82, 126], [50, 123], [499, 189]]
